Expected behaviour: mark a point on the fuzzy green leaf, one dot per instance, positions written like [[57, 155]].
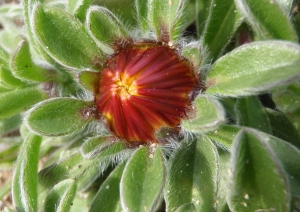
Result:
[[195, 53], [144, 174], [105, 27], [289, 156], [268, 19], [108, 195], [4, 57], [283, 128], [8, 80], [166, 17], [16, 101], [93, 146], [222, 21], [254, 68], [288, 99], [224, 135], [192, 176], [58, 116], [24, 68], [24, 185], [79, 8], [28, 6], [250, 113], [142, 15], [209, 114], [256, 173], [221, 202], [4, 89], [90, 80], [59, 199], [75, 166], [65, 39], [188, 207], [203, 9]]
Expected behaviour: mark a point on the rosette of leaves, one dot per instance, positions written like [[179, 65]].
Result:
[[144, 116]]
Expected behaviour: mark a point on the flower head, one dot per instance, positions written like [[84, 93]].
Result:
[[145, 87]]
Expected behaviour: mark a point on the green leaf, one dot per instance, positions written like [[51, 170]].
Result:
[[283, 128], [124, 8], [254, 68], [268, 19], [188, 207], [79, 8], [24, 184], [195, 53], [4, 57], [60, 198], [75, 166], [105, 27], [256, 173], [24, 68], [90, 80], [108, 195], [16, 101], [65, 39], [28, 6], [224, 135], [220, 25], [166, 18], [142, 15], [221, 201], [250, 113], [192, 176], [287, 99], [209, 114], [203, 9], [144, 174], [289, 157], [59, 116], [10, 124], [93, 146], [8, 80]]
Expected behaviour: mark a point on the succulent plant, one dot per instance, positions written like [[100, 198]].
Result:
[[150, 105]]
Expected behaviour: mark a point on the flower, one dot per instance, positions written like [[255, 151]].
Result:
[[143, 88]]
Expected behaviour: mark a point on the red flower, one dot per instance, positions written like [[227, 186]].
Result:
[[143, 88]]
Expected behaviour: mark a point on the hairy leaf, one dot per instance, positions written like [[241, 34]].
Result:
[[24, 185], [58, 116], [268, 19], [255, 174], [24, 68], [250, 113], [65, 38], [222, 21], [144, 174], [16, 101], [192, 176], [209, 114], [108, 195], [254, 68], [59, 199], [105, 27]]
